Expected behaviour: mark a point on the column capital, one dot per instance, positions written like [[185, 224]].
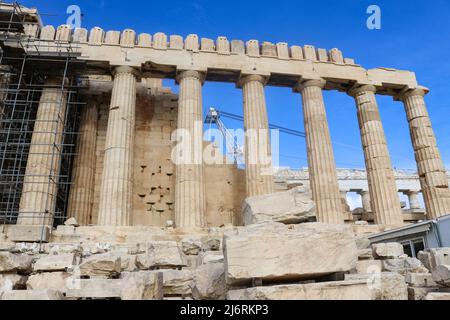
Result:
[[305, 83], [199, 75], [411, 92], [252, 77], [358, 89], [126, 69]]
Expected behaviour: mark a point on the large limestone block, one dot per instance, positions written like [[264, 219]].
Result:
[[438, 296], [165, 254], [431, 258], [32, 295], [441, 275], [10, 262], [339, 290], [59, 281], [50, 263], [385, 285], [419, 293], [144, 285], [177, 282], [404, 266], [106, 264], [420, 280], [95, 288], [210, 282], [11, 281], [290, 207], [274, 251], [390, 250]]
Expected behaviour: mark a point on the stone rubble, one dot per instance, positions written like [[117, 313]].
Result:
[[300, 261]]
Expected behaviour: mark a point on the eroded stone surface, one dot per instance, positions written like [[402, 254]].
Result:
[[293, 206], [273, 251]]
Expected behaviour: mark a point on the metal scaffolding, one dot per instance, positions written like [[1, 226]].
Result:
[[23, 75]]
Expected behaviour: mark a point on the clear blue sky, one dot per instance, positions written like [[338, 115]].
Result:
[[414, 36]]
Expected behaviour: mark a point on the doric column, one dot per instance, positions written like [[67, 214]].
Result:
[[433, 178], [81, 195], [258, 162], [39, 192], [413, 199], [117, 178], [190, 201], [322, 167], [385, 201], [365, 198]]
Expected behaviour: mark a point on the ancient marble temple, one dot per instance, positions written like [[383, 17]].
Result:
[[123, 173]]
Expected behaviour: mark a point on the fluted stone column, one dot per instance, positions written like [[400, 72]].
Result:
[[365, 197], [81, 195], [39, 193], [433, 178], [190, 200], [116, 199], [413, 199], [385, 201], [258, 171], [322, 167]]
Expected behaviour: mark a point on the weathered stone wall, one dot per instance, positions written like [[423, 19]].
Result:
[[154, 172]]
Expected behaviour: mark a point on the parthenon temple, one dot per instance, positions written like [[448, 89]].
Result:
[[88, 133]]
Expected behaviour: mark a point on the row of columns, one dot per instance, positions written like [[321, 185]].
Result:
[[413, 199], [117, 178]]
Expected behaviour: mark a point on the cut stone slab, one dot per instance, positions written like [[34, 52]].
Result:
[[10, 262], [441, 275], [106, 264], [339, 290], [289, 207], [390, 250], [438, 296], [165, 254], [32, 295], [24, 233], [59, 281], [51, 263], [177, 282], [11, 281], [420, 280], [95, 288], [210, 282], [404, 266], [277, 252], [144, 285], [385, 285], [431, 258], [368, 266], [419, 293]]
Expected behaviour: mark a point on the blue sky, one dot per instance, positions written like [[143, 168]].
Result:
[[414, 36]]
